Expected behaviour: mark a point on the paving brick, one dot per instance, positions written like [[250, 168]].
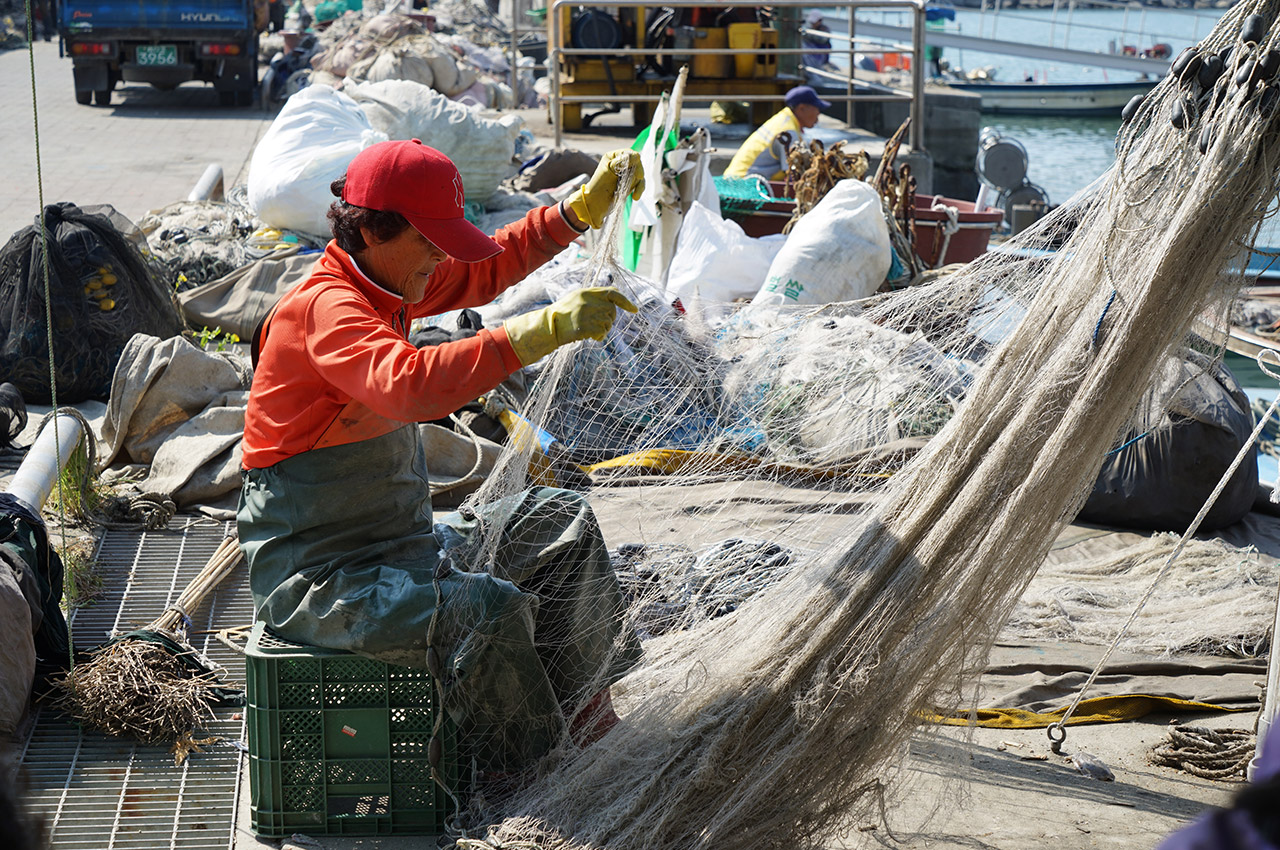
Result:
[[147, 149]]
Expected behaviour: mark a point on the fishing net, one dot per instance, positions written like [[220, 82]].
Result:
[[102, 290], [973, 411], [743, 193], [1220, 599], [201, 241]]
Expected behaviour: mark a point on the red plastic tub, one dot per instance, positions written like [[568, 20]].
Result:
[[968, 243], [770, 218]]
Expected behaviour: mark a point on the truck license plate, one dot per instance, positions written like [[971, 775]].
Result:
[[157, 54]]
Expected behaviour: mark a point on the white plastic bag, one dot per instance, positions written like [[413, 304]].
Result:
[[839, 251], [309, 145], [715, 261], [481, 146]]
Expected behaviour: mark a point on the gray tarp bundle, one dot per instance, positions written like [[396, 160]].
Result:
[[178, 410], [237, 302]]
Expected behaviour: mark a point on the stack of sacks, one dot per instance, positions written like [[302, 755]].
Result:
[[397, 47]]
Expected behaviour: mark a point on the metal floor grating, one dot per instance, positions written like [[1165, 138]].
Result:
[[105, 793]]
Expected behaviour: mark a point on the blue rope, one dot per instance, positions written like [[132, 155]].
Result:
[[1128, 443], [1098, 326]]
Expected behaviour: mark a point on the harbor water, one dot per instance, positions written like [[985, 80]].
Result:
[[1064, 154]]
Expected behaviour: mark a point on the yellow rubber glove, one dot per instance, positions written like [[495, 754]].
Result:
[[582, 314], [593, 200]]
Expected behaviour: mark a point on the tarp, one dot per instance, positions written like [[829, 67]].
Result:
[[1030, 685], [178, 411]]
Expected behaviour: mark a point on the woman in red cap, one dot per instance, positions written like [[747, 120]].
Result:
[[335, 517]]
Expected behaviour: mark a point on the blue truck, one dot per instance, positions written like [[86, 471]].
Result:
[[161, 42]]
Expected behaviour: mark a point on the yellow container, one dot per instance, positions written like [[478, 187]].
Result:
[[708, 65], [767, 63], [744, 37]]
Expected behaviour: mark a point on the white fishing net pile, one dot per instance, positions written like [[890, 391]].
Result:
[[770, 724], [1217, 599]]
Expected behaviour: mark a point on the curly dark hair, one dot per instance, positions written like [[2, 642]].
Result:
[[345, 220]]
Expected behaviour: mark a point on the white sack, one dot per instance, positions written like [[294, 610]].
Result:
[[308, 146], [394, 63], [481, 146], [839, 251], [716, 261]]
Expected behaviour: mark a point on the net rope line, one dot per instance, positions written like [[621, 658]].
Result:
[[48, 303], [1057, 732]]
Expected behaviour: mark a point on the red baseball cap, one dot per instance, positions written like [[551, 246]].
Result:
[[424, 186]]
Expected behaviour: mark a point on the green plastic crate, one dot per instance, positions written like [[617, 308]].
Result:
[[338, 743]]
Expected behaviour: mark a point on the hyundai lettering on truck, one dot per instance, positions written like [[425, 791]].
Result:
[[161, 42]]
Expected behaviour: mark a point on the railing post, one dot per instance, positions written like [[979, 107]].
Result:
[[848, 104], [553, 68], [917, 79], [515, 49]]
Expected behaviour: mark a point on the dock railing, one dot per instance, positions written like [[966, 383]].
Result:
[[557, 51]]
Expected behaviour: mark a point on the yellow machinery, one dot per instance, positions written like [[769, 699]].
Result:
[[622, 70]]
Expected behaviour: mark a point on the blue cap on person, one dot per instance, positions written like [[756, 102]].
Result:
[[805, 94]]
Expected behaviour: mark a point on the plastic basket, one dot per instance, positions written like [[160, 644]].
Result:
[[339, 744]]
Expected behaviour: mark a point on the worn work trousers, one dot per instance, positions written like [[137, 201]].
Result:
[[343, 553]]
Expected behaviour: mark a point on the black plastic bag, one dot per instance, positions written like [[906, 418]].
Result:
[[1162, 478], [102, 291]]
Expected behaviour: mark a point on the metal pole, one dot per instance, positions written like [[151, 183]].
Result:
[[553, 68], [1268, 715], [917, 81], [515, 48], [848, 104], [1071, 8]]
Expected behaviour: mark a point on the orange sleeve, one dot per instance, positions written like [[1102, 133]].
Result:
[[526, 245], [355, 350]]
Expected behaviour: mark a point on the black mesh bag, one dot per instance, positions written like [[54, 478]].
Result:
[[102, 291]]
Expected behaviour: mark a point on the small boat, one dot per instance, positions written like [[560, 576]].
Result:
[[1246, 343], [1065, 99]]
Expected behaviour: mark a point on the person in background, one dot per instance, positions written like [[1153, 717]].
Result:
[[520, 628], [47, 15], [820, 56], [765, 151]]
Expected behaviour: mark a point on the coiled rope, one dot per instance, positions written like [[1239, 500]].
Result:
[[1206, 753]]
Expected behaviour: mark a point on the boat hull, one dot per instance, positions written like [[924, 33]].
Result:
[[1055, 98]]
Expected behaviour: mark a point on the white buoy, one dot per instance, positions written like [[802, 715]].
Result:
[[36, 477]]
